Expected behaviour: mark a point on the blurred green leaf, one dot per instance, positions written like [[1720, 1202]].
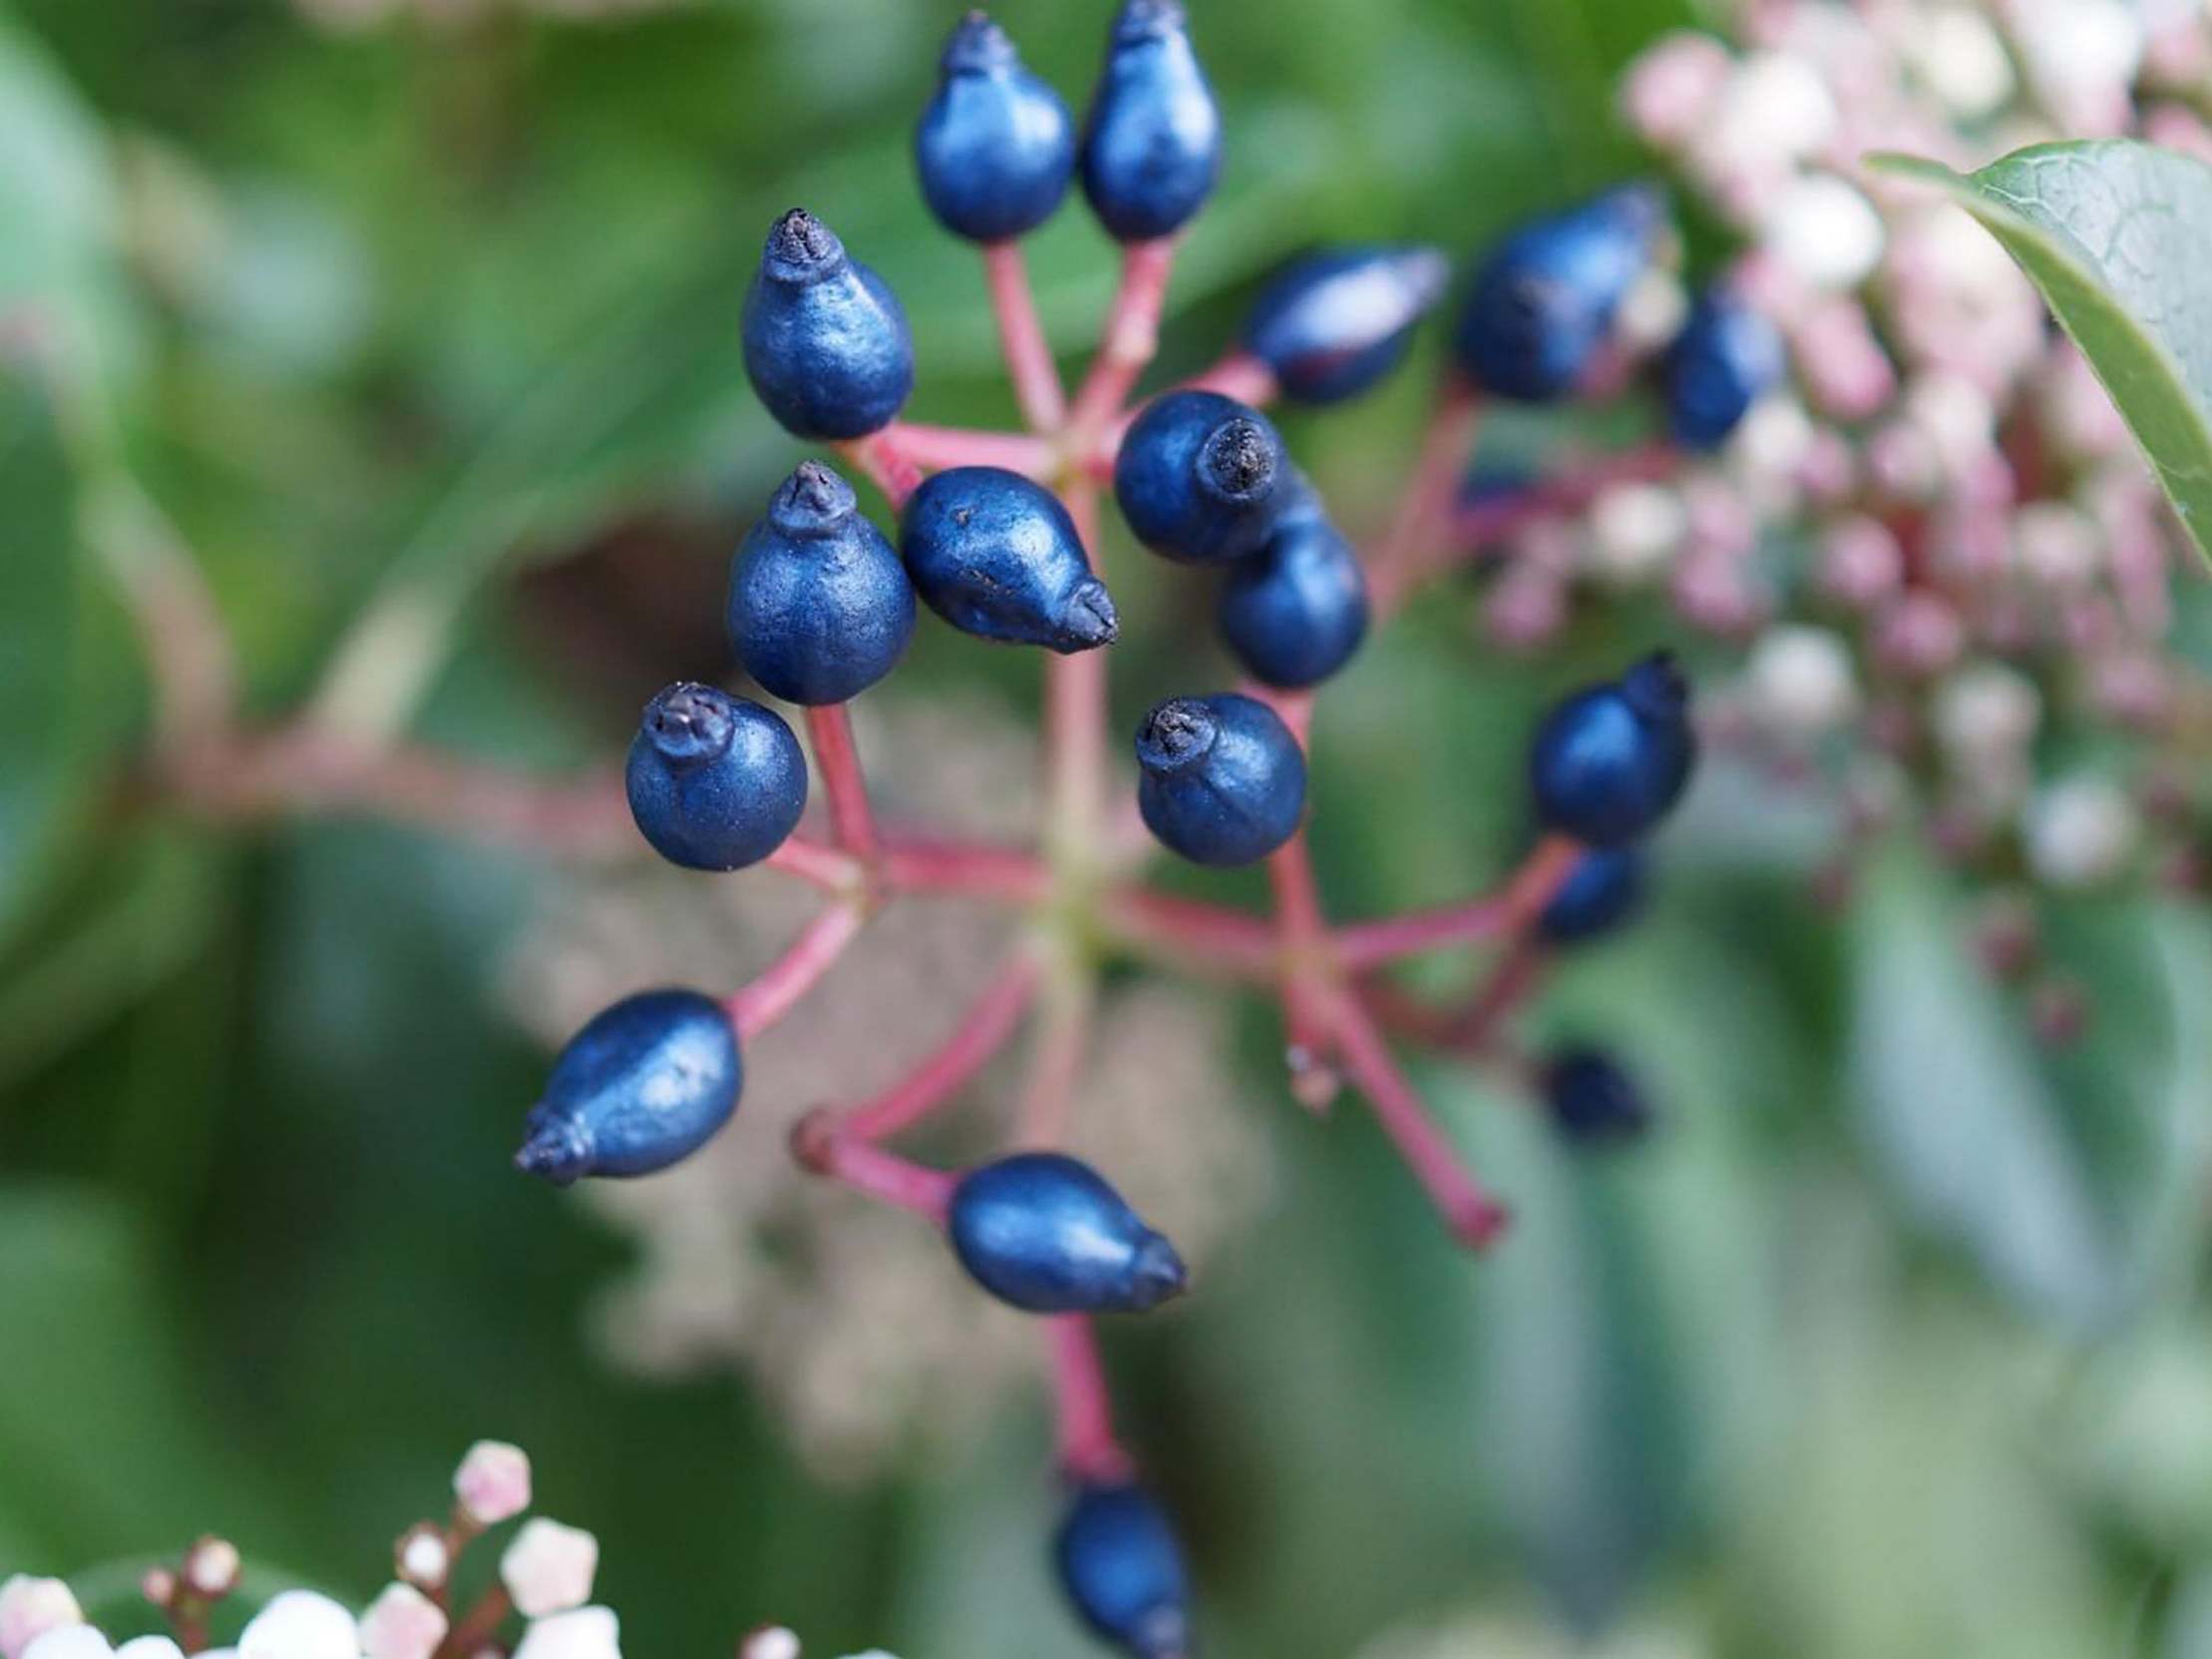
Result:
[[2115, 232]]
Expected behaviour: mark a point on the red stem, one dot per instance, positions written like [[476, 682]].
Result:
[[1130, 336], [1030, 365], [1088, 1450], [1513, 978], [1205, 936], [971, 868], [811, 861], [1075, 710], [938, 447], [982, 1033], [773, 994], [1364, 945], [867, 1168], [886, 462], [1428, 493], [831, 729]]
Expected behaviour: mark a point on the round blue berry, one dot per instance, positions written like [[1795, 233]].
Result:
[[1336, 323], [1725, 359], [1295, 612], [1200, 477], [820, 606], [995, 147], [997, 555], [1122, 1567], [1592, 1100], [1604, 890], [1045, 1233], [1543, 303], [715, 782], [1224, 781], [1153, 143], [645, 1085], [826, 345], [1610, 760]]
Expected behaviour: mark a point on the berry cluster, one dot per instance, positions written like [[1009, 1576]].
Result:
[[998, 535]]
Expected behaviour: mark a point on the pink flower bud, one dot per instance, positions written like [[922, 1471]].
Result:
[[774, 1642], [1919, 633], [548, 1567], [29, 1608], [1525, 609], [1671, 88], [401, 1623], [1846, 372], [211, 1569], [1860, 562], [493, 1482], [585, 1633]]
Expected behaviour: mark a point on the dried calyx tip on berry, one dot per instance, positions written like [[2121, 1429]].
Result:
[[1238, 460], [1142, 18], [813, 499], [977, 46], [1175, 735], [689, 723], [800, 241]]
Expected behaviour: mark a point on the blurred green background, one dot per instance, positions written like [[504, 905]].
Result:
[[1891, 1343]]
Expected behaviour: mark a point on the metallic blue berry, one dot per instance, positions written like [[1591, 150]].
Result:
[[1593, 1102], [826, 345], [995, 147], [820, 606], [1604, 889], [1725, 359], [1543, 303], [1045, 1233], [1608, 761], [715, 782], [1153, 143], [1336, 323], [1122, 1567], [1224, 781], [645, 1085], [1295, 612], [1201, 477], [997, 555]]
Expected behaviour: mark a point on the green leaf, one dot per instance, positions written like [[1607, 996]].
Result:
[[2115, 233]]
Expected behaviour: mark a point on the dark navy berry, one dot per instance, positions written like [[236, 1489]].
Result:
[[820, 606], [1295, 612], [1224, 781], [1336, 323], [1609, 762], [1543, 303], [1604, 890], [1044, 1233], [643, 1085], [825, 345], [1592, 1100], [1200, 477], [1153, 143], [715, 782], [995, 147], [1725, 359], [1122, 1567], [998, 557]]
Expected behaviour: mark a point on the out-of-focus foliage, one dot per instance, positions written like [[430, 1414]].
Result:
[[424, 336]]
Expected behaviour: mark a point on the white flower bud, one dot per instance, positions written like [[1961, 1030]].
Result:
[[29, 1608], [1826, 232], [70, 1641], [424, 1558], [212, 1567], [2055, 543], [1669, 89], [1987, 708], [773, 1643], [1652, 313], [401, 1623], [1775, 105], [1799, 680], [493, 1482], [300, 1624], [585, 1633], [548, 1567], [1634, 529], [2081, 831], [1959, 57]]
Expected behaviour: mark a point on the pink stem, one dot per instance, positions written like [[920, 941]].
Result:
[[831, 729], [868, 1168], [1238, 375], [1030, 365], [811, 861], [1468, 1209], [1198, 935], [1130, 336], [1075, 708], [886, 462], [1056, 1062], [1512, 980], [1004, 873], [938, 447], [778, 988], [1363, 946], [982, 1033], [1428, 493], [1088, 1450], [1306, 971]]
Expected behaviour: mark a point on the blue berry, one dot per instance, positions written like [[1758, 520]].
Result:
[[995, 147], [1224, 781], [1725, 359], [825, 345], [1153, 143], [820, 606], [1045, 1233], [1295, 612], [1610, 760], [1604, 889], [715, 782], [1336, 323], [645, 1085], [1544, 301], [1592, 1100], [1122, 1567], [998, 557], [1200, 477]]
